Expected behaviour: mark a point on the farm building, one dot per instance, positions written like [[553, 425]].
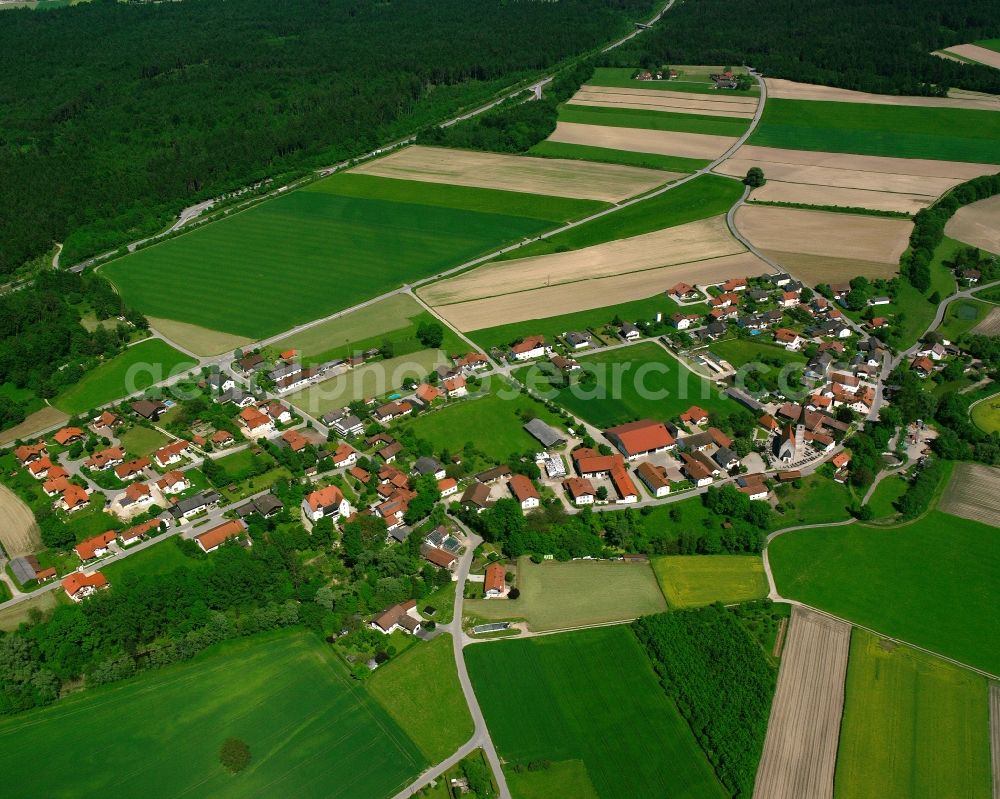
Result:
[[545, 433]]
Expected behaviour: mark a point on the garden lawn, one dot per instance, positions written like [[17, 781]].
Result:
[[420, 690], [556, 596], [705, 196], [640, 381], [491, 423], [140, 441], [333, 245], [654, 120], [948, 134], [886, 493], [962, 316], [689, 79], [934, 582], [554, 326], [695, 580], [914, 726], [821, 500], [393, 320], [312, 731], [128, 373], [590, 696], [986, 414], [607, 155]]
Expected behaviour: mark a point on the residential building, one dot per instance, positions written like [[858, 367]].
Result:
[[327, 502], [477, 497], [426, 393], [68, 435], [95, 547], [172, 453], [28, 453], [455, 387], [254, 423], [192, 506], [495, 581], [578, 340], [73, 499], [629, 332], [448, 486], [173, 483], [132, 469], [530, 347], [212, 539], [80, 586], [399, 617], [581, 490], [425, 465], [695, 415], [105, 459], [149, 409], [392, 410], [441, 558], [655, 478], [524, 491]]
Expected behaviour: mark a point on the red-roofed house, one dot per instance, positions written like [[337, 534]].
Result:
[[623, 484], [68, 435], [344, 455], [581, 490], [79, 586], [923, 366], [841, 459], [39, 469], [529, 347], [495, 582], [789, 339], [173, 482], [643, 437], [448, 486], [55, 485], [454, 387], [131, 469], [107, 419], [222, 438], [211, 540], [735, 284], [105, 459], [695, 415], [27, 453], [682, 291], [141, 531], [73, 498], [254, 423], [427, 393], [524, 491], [768, 422], [96, 546], [325, 503], [439, 557], [171, 453]]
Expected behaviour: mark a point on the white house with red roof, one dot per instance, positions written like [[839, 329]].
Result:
[[326, 503]]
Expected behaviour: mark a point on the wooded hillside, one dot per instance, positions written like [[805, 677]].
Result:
[[114, 116]]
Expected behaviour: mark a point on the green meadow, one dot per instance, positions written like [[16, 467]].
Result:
[[703, 197], [129, 372], [948, 134], [986, 414], [312, 731], [584, 152], [934, 582], [636, 382], [654, 120], [589, 696], [914, 726], [310, 253], [690, 581]]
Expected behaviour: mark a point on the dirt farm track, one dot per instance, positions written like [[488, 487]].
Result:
[[19, 532], [800, 751]]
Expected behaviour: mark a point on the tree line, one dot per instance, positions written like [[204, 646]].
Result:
[[186, 101], [883, 47]]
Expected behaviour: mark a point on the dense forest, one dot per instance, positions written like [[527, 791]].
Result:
[[43, 346], [879, 46], [721, 681], [150, 620], [183, 101]]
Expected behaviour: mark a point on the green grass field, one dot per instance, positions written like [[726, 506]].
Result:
[[309, 253], [703, 197], [490, 422], [988, 295], [394, 319], [990, 44], [821, 500], [654, 120], [934, 582], [128, 373], [24, 396], [740, 351], [986, 414], [555, 596], [690, 581], [141, 441], [949, 134], [689, 79], [887, 492], [554, 326], [311, 730], [589, 696], [371, 380], [606, 155], [161, 558], [562, 778], [420, 690], [913, 726], [635, 382]]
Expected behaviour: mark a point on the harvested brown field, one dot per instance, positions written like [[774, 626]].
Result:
[[673, 102], [706, 238], [640, 140], [199, 340], [777, 191], [861, 181], [40, 420], [583, 180], [990, 326], [977, 224], [973, 493], [19, 533], [816, 269], [851, 236], [595, 293], [14, 616], [780, 89], [800, 751], [974, 52]]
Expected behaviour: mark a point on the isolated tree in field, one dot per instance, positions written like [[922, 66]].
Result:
[[430, 334], [755, 177], [235, 755]]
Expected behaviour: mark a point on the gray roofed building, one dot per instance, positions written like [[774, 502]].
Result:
[[267, 506], [23, 570], [545, 433], [578, 340], [401, 533], [283, 370], [494, 474], [425, 465], [725, 457], [195, 504], [477, 497], [696, 442], [237, 396], [758, 294]]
